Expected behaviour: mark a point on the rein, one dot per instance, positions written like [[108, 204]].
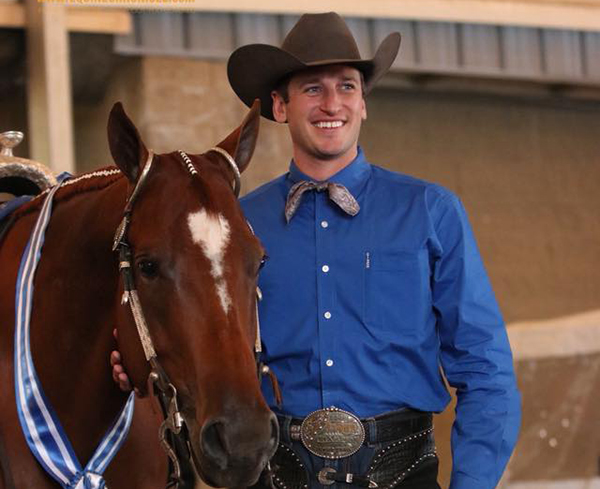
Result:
[[173, 433]]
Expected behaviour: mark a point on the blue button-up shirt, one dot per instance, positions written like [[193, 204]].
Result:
[[361, 312]]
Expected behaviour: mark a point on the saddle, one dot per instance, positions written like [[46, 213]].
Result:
[[20, 179]]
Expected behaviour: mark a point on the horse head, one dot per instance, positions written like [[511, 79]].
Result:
[[194, 262]]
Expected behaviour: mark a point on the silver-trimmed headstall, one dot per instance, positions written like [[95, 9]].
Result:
[[188, 162], [236, 171], [236, 184], [158, 378], [259, 296], [127, 212], [130, 293], [140, 182]]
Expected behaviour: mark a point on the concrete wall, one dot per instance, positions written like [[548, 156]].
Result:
[[176, 103]]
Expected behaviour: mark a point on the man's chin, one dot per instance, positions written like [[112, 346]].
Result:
[[335, 153]]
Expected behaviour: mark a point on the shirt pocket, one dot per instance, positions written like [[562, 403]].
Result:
[[396, 287]]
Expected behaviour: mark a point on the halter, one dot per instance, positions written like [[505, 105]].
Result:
[[158, 380]]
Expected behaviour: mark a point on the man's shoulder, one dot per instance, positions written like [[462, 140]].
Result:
[[266, 191], [400, 182]]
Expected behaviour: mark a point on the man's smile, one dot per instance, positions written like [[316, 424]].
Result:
[[328, 124]]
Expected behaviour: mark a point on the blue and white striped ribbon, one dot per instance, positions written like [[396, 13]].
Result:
[[41, 427]]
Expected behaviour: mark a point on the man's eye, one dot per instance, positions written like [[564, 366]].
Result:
[[312, 89], [148, 268], [348, 86]]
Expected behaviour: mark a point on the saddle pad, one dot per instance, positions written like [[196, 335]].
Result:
[[8, 207], [6, 210]]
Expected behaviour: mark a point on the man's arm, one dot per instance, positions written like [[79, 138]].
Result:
[[475, 355]]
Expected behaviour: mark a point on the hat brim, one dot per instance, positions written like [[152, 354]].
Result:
[[255, 69]]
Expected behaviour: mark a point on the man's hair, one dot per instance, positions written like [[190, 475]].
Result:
[[282, 86]]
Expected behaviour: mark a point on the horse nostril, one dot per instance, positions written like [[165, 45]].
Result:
[[214, 443]]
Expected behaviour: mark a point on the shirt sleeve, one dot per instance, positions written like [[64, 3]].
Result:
[[475, 354]]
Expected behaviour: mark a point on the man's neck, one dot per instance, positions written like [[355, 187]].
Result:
[[321, 169]]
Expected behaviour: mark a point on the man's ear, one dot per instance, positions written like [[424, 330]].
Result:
[[126, 146], [279, 107], [242, 142]]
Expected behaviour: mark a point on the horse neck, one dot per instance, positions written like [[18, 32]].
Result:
[[73, 319]]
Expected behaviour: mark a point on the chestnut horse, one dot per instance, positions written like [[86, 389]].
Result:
[[194, 262]]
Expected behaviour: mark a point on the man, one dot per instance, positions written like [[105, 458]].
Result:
[[374, 283]]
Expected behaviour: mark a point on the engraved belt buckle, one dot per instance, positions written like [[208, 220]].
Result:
[[332, 433]]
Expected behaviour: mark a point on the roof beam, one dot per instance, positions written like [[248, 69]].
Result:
[[566, 14]]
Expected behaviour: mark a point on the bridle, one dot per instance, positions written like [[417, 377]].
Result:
[[173, 430], [236, 185]]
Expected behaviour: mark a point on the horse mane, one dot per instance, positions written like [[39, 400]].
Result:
[[84, 183]]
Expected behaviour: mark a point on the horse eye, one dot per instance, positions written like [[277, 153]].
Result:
[[263, 261], [148, 268], [255, 270]]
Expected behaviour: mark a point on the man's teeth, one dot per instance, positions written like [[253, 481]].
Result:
[[329, 125]]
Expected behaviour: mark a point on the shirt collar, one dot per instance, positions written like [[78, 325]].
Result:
[[353, 176]]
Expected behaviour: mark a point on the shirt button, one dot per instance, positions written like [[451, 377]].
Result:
[[324, 224], [325, 268], [329, 363], [327, 315]]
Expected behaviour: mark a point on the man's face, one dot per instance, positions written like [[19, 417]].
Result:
[[324, 113]]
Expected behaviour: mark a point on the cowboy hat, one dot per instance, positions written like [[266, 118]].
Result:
[[316, 40]]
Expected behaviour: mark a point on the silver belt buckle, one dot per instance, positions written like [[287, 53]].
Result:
[[332, 433]]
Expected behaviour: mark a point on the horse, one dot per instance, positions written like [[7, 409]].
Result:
[[194, 261]]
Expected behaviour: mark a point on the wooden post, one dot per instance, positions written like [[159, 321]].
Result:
[[49, 85]]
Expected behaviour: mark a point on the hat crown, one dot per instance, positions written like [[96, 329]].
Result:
[[319, 37]]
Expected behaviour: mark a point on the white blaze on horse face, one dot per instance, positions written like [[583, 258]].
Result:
[[211, 232]]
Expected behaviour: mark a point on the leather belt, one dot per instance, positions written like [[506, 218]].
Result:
[[344, 434]]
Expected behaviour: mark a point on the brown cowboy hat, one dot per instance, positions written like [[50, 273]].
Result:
[[316, 40]]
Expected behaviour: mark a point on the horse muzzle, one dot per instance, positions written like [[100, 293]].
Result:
[[232, 451]]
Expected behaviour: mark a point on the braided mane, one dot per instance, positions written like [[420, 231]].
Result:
[[87, 182]]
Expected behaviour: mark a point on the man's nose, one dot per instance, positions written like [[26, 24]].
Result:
[[330, 102]]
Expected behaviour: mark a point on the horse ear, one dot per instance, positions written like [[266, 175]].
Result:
[[241, 142], [126, 145]]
